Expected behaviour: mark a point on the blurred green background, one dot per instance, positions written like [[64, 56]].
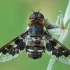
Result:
[[14, 17]]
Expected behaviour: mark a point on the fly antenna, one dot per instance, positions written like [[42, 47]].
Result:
[[33, 10], [39, 10]]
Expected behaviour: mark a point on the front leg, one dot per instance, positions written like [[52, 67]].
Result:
[[53, 28]]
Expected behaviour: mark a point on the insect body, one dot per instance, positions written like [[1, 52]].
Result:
[[35, 40]]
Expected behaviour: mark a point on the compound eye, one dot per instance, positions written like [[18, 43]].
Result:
[[40, 16], [32, 16]]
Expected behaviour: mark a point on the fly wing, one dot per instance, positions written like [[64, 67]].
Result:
[[13, 48], [57, 50]]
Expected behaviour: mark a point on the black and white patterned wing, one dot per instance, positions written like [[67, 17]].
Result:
[[13, 48], [57, 50]]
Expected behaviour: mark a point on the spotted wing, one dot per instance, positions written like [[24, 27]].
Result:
[[13, 48], [57, 50]]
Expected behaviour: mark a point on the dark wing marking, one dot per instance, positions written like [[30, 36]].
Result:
[[13, 48], [57, 50]]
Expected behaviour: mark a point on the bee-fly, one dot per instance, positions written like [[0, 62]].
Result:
[[35, 40]]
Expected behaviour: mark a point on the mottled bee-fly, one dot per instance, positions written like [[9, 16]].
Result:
[[35, 40]]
